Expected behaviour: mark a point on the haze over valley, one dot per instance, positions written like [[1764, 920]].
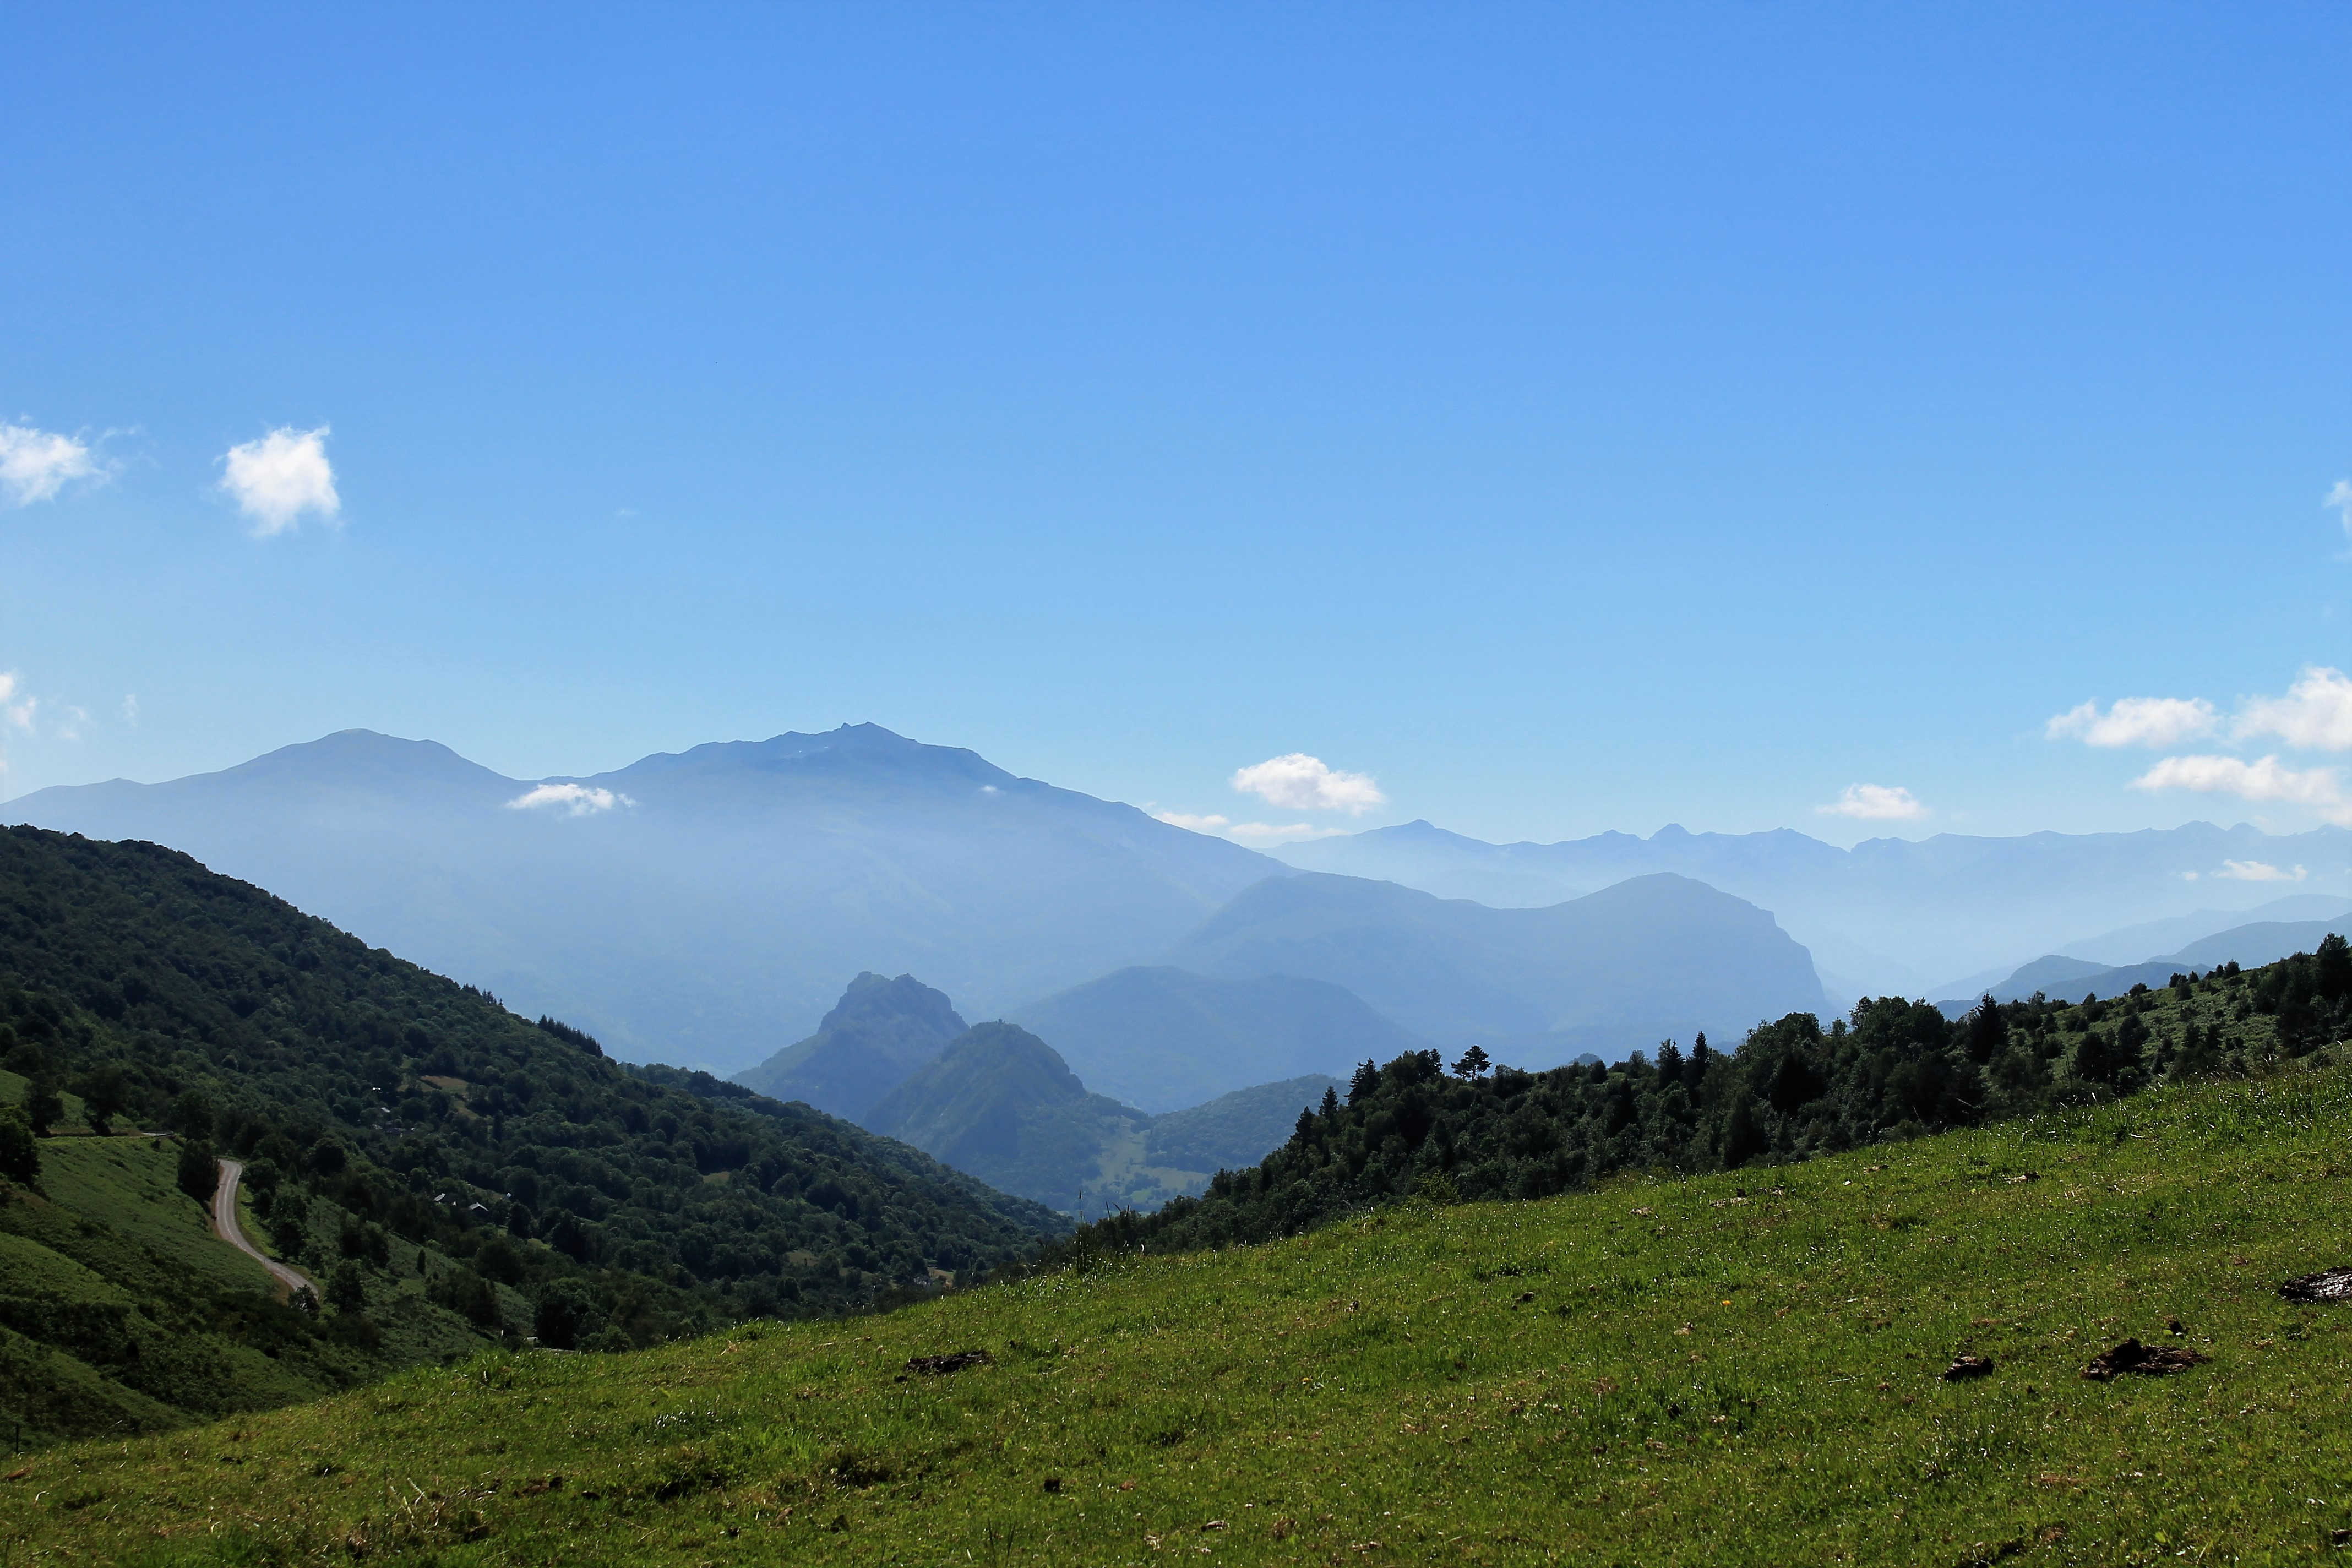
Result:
[[1041, 783]]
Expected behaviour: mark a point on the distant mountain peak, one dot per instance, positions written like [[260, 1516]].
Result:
[[851, 750]]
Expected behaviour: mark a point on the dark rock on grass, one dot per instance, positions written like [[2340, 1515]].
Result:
[[2327, 1285], [1967, 1367], [938, 1366], [2153, 1361]]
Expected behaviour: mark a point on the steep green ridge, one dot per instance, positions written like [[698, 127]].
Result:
[[876, 1037], [1003, 1104], [1659, 1371], [121, 1312], [1793, 1090], [576, 1197], [1232, 1130]]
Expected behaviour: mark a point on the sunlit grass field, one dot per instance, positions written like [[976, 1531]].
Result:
[[1662, 1370]]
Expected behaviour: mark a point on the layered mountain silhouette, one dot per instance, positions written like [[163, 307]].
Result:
[[699, 908], [1653, 958], [2065, 977], [1160, 1037], [1889, 915], [1001, 1104], [2134, 944], [878, 1035]]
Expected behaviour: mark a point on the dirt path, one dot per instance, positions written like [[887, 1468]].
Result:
[[225, 1226]]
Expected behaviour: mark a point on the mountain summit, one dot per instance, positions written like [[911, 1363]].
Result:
[[698, 906]]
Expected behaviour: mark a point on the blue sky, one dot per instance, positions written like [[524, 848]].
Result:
[[1567, 417]]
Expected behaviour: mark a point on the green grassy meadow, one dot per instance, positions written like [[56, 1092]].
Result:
[[1655, 1372]]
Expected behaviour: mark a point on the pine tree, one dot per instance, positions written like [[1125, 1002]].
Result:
[[199, 1172], [42, 1106], [347, 1290], [1361, 1087], [1988, 1031], [20, 1151], [1473, 1063]]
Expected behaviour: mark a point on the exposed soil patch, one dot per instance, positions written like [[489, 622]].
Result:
[[1967, 1367], [2328, 1285], [937, 1365], [2155, 1361]]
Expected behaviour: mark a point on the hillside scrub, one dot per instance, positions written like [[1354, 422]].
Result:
[[1896, 1070], [413, 1131], [1660, 1370]]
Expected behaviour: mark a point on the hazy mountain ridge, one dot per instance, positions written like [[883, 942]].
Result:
[[1002, 1105], [1889, 915], [1165, 1039], [878, 1035], [1652, 958], [2059, 975], [709, 915]]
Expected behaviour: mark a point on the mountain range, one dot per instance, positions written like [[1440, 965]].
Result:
[[997, 1102], [703, 909], [1650, 958], [1890, 915], [700, 908], [2063, 974], [1164, 1039]]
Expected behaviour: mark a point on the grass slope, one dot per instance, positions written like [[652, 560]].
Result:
[[1656, 1370]]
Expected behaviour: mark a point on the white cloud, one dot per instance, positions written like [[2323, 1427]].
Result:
[[1279, 832], [130, 708], [1875, 803], [2260, 780], [1246, 832], [2136, 722], [36, 464], [279, 478], [15, 711], [1301, 782], [2257, 871], [2340, 497], [2314, 714], [569, 799]]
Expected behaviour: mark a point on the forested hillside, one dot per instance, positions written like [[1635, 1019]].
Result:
[[387, 1110], [1892, 1071]]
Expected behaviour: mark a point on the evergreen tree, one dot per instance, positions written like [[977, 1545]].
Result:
[[199, 1172], [346, 1288], [562, 1315], [103, 1095], [1743, 1138], [1360, 1087], [1330, 1105], [2332, 968], [1988, 1030], [1473, 1063], [2095, 1059], [20, 1151], [290, 1230], [42, 1106], [2131, 1039]]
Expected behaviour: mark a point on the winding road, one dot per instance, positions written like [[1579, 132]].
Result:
[[225, 1225]]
